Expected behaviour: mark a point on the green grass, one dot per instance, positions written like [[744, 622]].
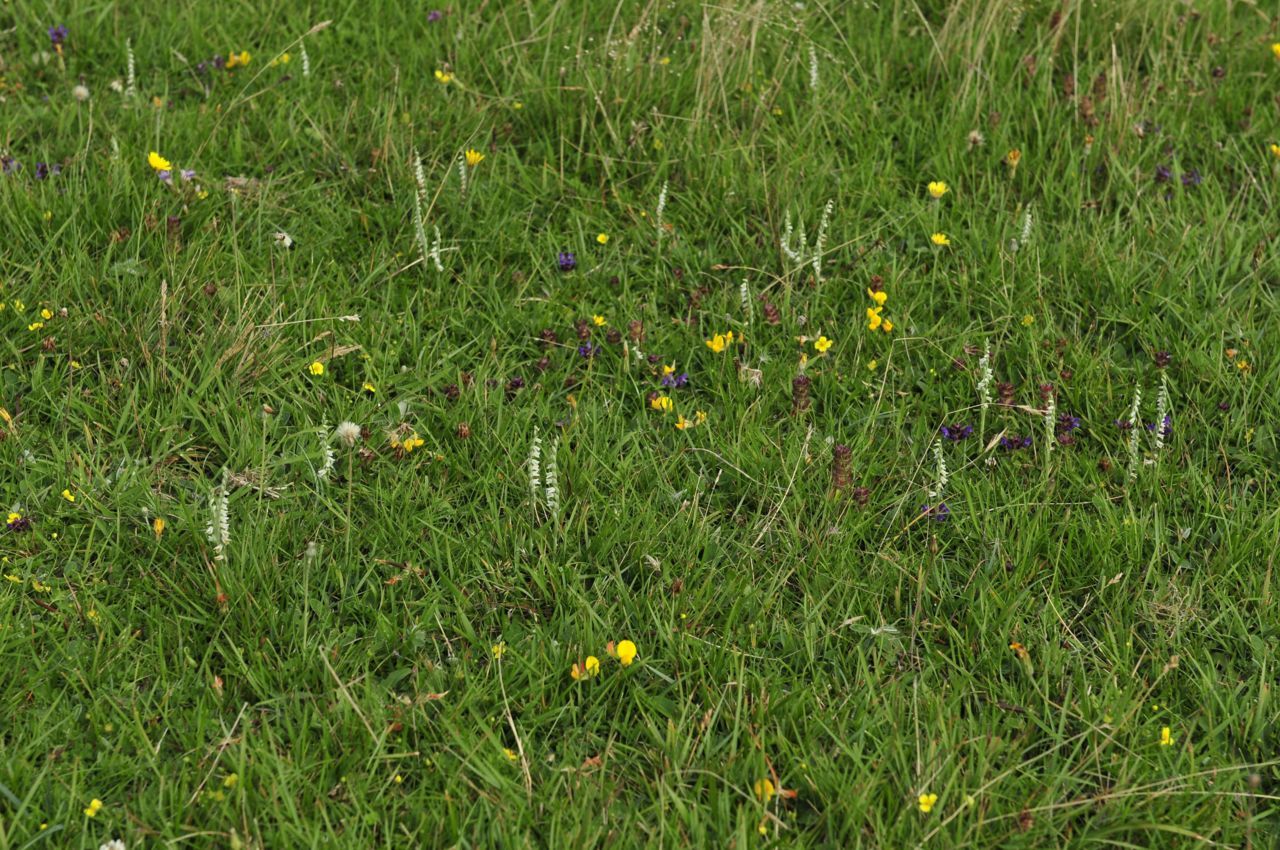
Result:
[[330, 680]]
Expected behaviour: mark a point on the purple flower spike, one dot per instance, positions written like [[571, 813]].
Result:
[[956, 433], [166, 176], [188, 174], [588, 350], [57, 35], [567, 261], [434, 15]]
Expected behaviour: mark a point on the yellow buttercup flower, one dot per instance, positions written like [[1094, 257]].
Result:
[[940, 239], [602, 238], [230, 780], [316, 368], [937, 189], [626, 652], [1275, 50], [927, 802], [46, 314], [474, 157], [442, 77], [598, 320], [1028, 319], [871, 367], [821, 344], [1275, 150], [91, 810], [158, 162]]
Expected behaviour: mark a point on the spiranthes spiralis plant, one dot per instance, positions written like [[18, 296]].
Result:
[[985, 378], [1164, 417], [1135, 427], [798, 251], [330, 457], [552, 480], [218, 531], [841, 476], [1024, 237], [1050, 418], [535, 466], [800, 400], [661, 209], [813, 67], [130, 80], [306, 60], [940, 475], [744, 295]]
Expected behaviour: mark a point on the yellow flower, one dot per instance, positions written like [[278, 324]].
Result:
[[940, 239], [369, 388], [442, 77], [668, 370], [397, 779], [410, 443], [602, 238], [927, 802], [1028, 319], [91, 810], [1275, 50], [878, 296], [871, 367], [821, 344], [598, 320], [1013, 157], [510, 754], [626, 652], [35, 326], [873, 318], [682, 423], [68, 495], [158, 162], [1166, 737], [592, 665], [764, 790], [1243, 365], [46, 314], [157, 525], [716, 343], [39, 586], [662, 403], [576, 672], [887, 327], [92, 614], [699, 417], [230, 780], [13, 578], [237, 59], [316, 368], [499, 649], [19, 306], [937, 189], [1275, 150], [474, 157], [13, 517]]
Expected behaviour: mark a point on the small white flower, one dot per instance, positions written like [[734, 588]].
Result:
[[113, 844], [348, 433]]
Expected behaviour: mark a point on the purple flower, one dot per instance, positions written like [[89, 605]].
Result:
[[588, 350], [1163, 174], [567, 261], [188, 173], [1191, 178], [9, 164], [219, 62], [20, 524], [57, 35], [434, 15], [1124, 424], [938, 513], [166, 176], [1012, 444], [956, 433], [681, 380], [1067, 423], [42, 170]]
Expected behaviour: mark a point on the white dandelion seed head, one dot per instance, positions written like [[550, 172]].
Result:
[[348, 433]]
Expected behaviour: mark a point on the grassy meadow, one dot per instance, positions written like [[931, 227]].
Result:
[[563, 424]]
